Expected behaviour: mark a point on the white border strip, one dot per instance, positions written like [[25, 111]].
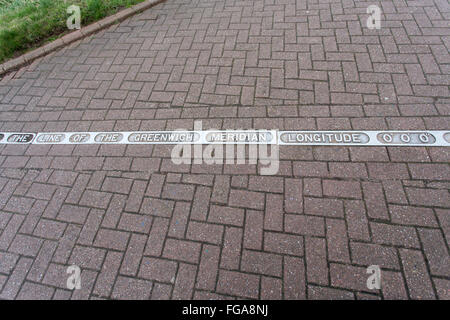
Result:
[[305, 138]]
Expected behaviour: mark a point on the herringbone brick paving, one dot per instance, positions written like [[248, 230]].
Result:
[[141, 227]]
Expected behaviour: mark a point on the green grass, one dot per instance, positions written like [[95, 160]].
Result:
[[25, 24]]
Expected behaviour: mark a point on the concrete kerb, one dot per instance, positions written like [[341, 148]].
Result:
[[29, 57]]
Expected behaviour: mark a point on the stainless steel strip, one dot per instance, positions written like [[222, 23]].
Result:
[[423, 138]]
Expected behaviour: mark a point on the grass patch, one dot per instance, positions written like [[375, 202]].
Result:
[[26, 24]]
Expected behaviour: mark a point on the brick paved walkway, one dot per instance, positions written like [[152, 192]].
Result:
[[141, 227]]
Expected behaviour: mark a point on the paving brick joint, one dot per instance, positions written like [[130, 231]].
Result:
[[141, 227]]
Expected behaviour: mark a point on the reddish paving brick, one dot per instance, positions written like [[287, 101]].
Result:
[[283, 243], [221, 189], [184, 283], [246, 199], [208, 268], [442, 288], [106, 277], [78, 188], [4, 219], [49, 229], [117, 185], [114, 211], [375, 203], [433, 171], [357, 223], [436, 251], [417, 278], [41, 191], [394, 235], [182, 250], [135, 223], [19, 205], [131, 289], [341, 189], [135, 196], [205, 295], [33, 216], [199, 179], [387, 171], [88, 278], [34, 291], [179, 221], [428, 197], [409, 215], [74, 214], [266, 184], [310, 169], [312, 187], [273, 219], [238, 284], [323, 293], [87, 257], [293, 198], [304, 225], [201, 203], [95, 199], [204, 232], [337, 240], [25, 245], [393, 190], [112, 239], [349, 277], [261, 263], [413, 154], [90, 163], [145, 164], [444, 219], [8, 262], [316, 261], [392, 286], [231, 250], [226, 215], [294, 283], [271, 288], [253, 232], [330, 154], [55, 204], [375, 154], [157, 207], [178, 192], [114, 163], [156, 237], [155, 185], [66, 243], [161, 291], [158, 270], [348, 170], [324, 207], [373, 254], [12, 286], [133, 255], [367, 296]]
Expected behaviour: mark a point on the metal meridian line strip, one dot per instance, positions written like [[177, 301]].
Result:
[[307, 138]]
